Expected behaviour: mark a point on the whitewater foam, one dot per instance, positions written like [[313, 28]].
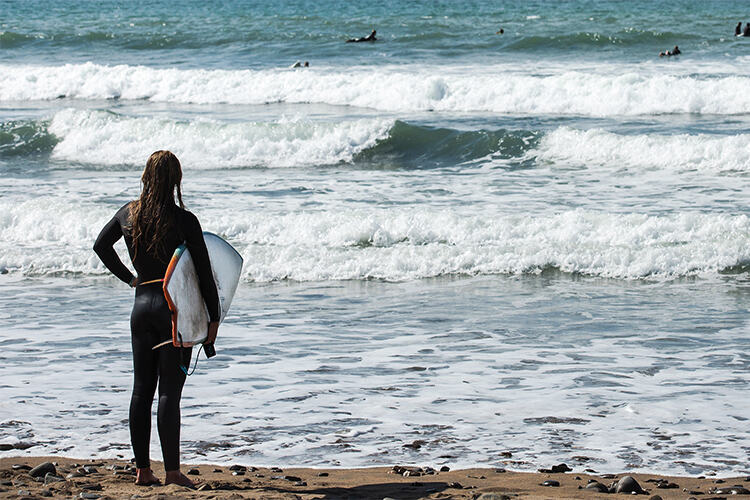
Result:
[[54, 236], [566, 146], [99, 137], [595, 92]]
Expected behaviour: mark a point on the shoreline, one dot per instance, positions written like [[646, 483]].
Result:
[[110, 478]]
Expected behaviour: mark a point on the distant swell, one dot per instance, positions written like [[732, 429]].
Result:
[[19, 138], [10, 39], [391, 89], [592, 39], [402, 244], [422, 146]]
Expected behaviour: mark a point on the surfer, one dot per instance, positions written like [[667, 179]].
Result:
[[746, 32], [368, 38], [738, 29], [153, 226], [669, 53]]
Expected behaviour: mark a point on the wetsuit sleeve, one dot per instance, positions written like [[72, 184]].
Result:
[[197, 246], [104, 248]]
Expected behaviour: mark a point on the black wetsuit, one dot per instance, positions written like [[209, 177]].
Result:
[[150, 324]]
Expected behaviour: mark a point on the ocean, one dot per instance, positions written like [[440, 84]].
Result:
[[461, 247]]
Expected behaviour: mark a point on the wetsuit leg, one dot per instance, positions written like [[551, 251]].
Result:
[[171, 381], [150, 325], [145, 376]]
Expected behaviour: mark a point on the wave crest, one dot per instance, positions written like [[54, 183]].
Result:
[[403, 244], [391, 89]]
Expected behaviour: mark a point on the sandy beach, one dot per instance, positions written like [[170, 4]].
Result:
[[113, 479]]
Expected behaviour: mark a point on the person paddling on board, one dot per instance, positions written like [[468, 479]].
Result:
[[738, 29], [674, 52], [153, 226], [369, 38]]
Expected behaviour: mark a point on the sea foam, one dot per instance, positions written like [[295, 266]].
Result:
[[401, 244], [591, 92], [99, 137], [642, 151]]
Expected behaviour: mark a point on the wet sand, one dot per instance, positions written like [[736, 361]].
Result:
[[113, 479]]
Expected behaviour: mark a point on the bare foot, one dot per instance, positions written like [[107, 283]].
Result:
[[145, 477], [178, 478]]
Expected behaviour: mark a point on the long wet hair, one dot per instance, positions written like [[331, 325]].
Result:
[[153, 215]]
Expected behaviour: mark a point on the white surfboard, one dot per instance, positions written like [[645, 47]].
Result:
[[189, 312]]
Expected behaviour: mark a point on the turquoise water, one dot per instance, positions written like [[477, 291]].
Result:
[[249, 34], [533, 242]]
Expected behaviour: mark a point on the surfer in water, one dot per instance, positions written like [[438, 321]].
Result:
[[738, 29], [746, 32], [153, 226], [669, 53], [368, 38]]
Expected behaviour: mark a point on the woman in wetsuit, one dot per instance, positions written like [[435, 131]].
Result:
[[153, 226]]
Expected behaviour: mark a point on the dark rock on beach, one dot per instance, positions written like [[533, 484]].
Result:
[[556, 469], [597, 486], [666, 485], [42, 469], [194, 472], [551, 482], [627, 484]]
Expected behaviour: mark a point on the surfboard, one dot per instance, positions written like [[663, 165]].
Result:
[[189, 312]]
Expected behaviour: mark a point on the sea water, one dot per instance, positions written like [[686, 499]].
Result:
[[465, 242]]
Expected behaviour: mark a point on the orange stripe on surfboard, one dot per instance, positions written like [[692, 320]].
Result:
[[172, 307]]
